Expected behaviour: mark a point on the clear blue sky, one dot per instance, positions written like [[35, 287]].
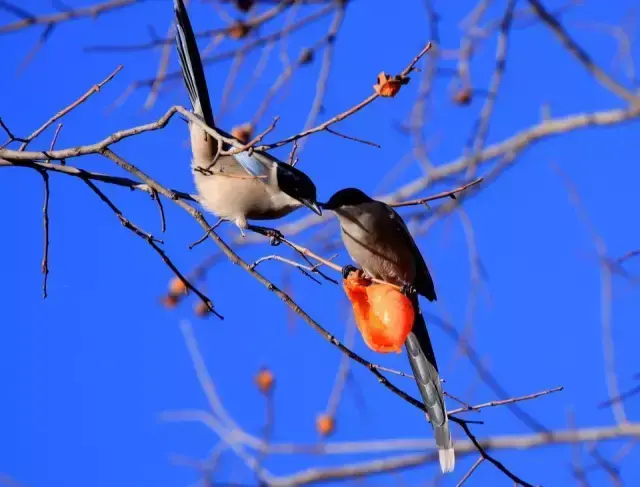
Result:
[[85, 374]]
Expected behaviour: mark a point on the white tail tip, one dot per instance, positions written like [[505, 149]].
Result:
[[447, 459]]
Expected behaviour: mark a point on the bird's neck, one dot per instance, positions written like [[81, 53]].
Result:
[[280, 199]]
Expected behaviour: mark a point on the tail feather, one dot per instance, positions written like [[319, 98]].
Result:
[[425, 369], [192, 70]]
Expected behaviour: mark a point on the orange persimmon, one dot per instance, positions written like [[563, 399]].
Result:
[[325, 424], [383, 314], [264, 379]]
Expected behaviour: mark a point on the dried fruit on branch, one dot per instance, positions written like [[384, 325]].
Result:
[[463, 96], [389, 85], [306, 56], [201, 309], [383, 314], [243, 132], [264, 380], [325, 424], [239, 30], [169, 301], [177, 287]]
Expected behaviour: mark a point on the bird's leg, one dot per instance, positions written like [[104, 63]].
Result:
[[276, 236], [242, 234], [348, 269], [408, 290]]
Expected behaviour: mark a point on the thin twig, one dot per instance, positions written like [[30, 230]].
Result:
[[42, 40], [307, 271], [344, 370], [606, 297], [156, 197], [470, 472], [355, 139], [12, 137], [445, 194], [94, 176], [341, 116], [251, 24], [481, 128], [67, 109], [45, 225], [627, 256], [393, 371], [55, 138], [90, 11], [249, 146], [206, 234], [517, 480], [502, 402], [146, 236], [163, 65], [223, 56], [325, 70], [582, 56]]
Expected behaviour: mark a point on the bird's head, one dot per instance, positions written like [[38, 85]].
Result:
[[345, 197], [298, 185]]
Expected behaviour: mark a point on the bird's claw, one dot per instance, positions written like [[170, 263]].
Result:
[[408, 290], [348, 269], [274, 240], [275, 236]]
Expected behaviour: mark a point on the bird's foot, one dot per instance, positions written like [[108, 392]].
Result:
[[408, 290], [275, 240], [275, 236], [348, 269]]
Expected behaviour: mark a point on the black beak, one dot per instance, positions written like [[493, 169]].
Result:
[[313, 206]]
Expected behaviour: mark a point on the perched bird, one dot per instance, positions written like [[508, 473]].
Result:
[[378, 240], [242, 186]]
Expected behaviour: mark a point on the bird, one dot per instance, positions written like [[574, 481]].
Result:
[[378, 240], [238, 187]]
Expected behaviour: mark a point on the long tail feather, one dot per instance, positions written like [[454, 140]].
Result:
[[191, 64], [425, 369]]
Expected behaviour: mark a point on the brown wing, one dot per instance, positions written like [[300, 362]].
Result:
[[423, 282]]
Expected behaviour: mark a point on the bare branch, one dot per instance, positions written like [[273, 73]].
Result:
[[481, 128], [606, 292], [445, 194], [146, 236], [470, 472], [582, 55], [90, 11], [506, 401], [45, 225], [64, 111], [402, 76]]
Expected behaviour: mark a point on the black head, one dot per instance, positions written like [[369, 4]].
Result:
[[346, 197], [298, 185]]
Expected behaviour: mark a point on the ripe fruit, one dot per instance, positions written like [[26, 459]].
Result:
[[169, 301], [383, 314], [243, 132], [264, 380], [177, 286], [325, 424], [463, 96], [201, 309]]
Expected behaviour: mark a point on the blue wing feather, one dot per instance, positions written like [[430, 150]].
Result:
[[252, 165]]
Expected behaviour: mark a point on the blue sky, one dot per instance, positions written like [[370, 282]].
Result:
[[86, 373]]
